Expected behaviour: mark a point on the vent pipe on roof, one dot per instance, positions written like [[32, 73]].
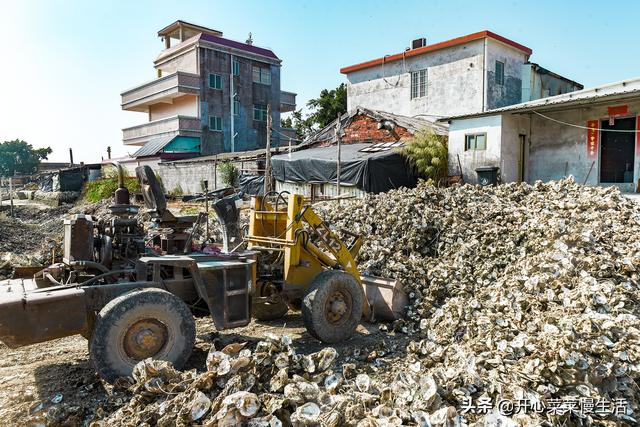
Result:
[[417, 43]]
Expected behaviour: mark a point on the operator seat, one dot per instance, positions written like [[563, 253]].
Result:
[[172, 236], [154, 199]]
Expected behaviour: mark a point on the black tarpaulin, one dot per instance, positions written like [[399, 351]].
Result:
[[252, 184], [372, 172]]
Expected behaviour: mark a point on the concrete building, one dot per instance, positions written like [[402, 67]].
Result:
[[538, 82], [469, 74], [591, 134], [210, 95]]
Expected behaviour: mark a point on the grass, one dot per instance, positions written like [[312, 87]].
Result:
[[104, 188]]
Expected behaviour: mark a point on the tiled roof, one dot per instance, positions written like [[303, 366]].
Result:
[[238, 45]]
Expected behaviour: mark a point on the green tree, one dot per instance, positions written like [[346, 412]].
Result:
[[327, 106], [303, 126], [427, 152], [324, 110], [18, 156]]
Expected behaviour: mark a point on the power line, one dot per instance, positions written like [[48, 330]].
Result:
[[585, 127], [286, 136]]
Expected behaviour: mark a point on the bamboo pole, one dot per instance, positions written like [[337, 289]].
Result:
[[338, 139]]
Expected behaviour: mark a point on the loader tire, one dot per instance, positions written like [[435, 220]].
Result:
[[332, 306], [268, 310], [137, 325]]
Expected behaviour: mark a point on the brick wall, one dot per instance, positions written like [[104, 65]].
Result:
[[366, 129]]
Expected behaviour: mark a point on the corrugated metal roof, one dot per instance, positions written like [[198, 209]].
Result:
[[614, 90], [154, 146]]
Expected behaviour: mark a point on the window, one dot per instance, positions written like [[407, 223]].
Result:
[[476, 141], [260, 112], [236, 67], [499, 73], [215, 81], [418, 84], [215, 123], [262, 75], [236, 107]]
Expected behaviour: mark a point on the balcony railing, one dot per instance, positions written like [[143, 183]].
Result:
[[178, 125], [167, 87]]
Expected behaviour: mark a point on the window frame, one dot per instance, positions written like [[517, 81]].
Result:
[[216, 120], [419, 83], [217, 78], [263, 73], [236, 107], [235, 67], [499, 80], [263, 112], [475, 136]]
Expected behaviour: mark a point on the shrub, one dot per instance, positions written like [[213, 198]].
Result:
[[427, 152], [229, 174], [176, 191]]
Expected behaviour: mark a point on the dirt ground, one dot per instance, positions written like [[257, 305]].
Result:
[[57, 376], [28, 236]]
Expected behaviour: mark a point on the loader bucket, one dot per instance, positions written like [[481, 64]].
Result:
[[386, 297]]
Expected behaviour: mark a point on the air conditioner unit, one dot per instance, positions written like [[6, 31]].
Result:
[[421, 42]]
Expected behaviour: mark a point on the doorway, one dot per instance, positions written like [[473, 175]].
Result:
[[617, 151], [522, 139]]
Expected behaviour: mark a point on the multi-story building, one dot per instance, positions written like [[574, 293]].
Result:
[[466, 75], [210, 96]]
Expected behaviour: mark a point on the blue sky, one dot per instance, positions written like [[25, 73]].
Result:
[[64, 63]]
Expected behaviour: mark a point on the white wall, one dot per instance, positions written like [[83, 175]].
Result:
[[470, 160], [510, 92], [552, 150], [511, 150], [187, 62], [186, 105], [454, 83]]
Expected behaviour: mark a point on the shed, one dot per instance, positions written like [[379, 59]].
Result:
[[372, 168]]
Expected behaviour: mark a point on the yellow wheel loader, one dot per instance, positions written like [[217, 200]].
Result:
[[303, 264]]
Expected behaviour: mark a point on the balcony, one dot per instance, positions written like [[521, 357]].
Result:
[[287, 101], [177, 125], [162, 90]]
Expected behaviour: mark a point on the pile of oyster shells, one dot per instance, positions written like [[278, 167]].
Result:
[[274, 386], [516, 290]]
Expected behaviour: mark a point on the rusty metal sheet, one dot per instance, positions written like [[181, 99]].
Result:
[[41, 316], [26, 272]]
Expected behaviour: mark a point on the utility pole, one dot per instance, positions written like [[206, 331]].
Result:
[[11, 196], [267, 160], [338, 139], [232, 102], [71, 156], [206, 209], [108, 152]]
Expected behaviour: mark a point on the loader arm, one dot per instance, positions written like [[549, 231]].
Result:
[[339, 255]]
